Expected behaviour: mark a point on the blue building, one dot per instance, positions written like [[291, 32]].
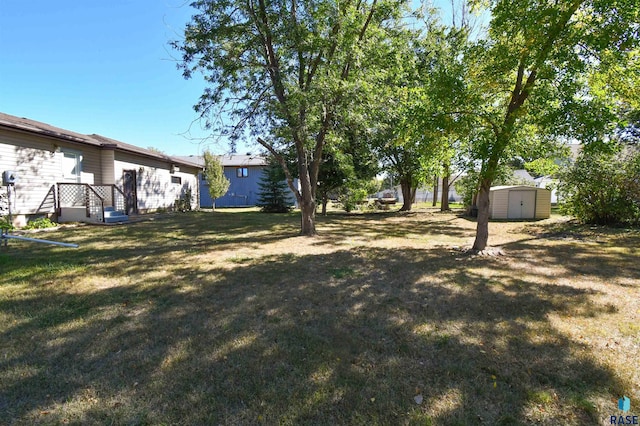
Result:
[[244, 173]]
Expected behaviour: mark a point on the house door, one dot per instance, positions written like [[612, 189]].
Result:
[[522, 204], [129, 179], [73, 195], [72, 166]]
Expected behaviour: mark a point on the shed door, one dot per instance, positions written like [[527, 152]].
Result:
[[522, 204]]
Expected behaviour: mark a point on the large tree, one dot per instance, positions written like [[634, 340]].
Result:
[[286, 72], [530, 73], [408, 135]]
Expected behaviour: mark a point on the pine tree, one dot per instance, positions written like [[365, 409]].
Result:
[[274, 194]]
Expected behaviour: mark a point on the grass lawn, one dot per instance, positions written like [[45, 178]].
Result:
[[230, 317]]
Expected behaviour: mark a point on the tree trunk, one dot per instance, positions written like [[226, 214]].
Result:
[[325, 200], [308, 219], [444, 203], [503, 133], [307, 200], [308, 178], [435, 190], [482, 229], [407, 194]]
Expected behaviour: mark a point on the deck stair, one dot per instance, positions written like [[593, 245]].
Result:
[[111, 215]]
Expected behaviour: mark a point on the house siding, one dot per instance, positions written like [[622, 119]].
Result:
[[154, 187], [38, 162], [242, 192], [91, 168], [37, 169], [107, 161]]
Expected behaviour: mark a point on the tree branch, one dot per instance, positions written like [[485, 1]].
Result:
[[283, 164], [553, 33], [485, 117], [347, 67], [273, 65]]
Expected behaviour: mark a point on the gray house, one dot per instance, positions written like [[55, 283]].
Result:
[[72, 177]]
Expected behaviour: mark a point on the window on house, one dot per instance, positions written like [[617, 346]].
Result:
[[72, 166], [176, 179], [242, 172]]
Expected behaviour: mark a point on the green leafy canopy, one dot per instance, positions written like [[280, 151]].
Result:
[[214, 175]]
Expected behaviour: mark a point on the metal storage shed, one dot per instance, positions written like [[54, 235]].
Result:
[[519, 202]]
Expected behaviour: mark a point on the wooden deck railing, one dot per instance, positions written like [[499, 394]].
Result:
[[94, 198]]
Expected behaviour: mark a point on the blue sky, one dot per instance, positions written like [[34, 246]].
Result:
[[100, 67], [105, 67]]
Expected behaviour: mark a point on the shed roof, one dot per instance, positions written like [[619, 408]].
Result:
[[38, 128], [501, 187]]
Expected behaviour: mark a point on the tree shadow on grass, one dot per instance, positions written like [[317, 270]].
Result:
[[421, 227], [587, 259], [154, 241], [349, 337]]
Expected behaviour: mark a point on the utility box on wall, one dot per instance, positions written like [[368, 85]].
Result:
[[9, 177]]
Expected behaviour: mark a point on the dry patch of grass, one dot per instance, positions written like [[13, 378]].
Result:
[[231, 318]]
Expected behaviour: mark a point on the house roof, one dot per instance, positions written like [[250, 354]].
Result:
[[232, 160], [38, 128], [523, 174], [243, 160], [576, 149]]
